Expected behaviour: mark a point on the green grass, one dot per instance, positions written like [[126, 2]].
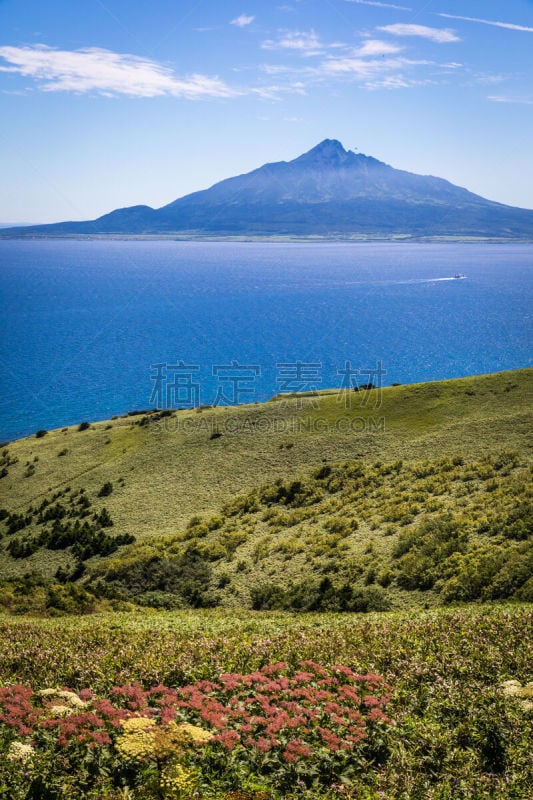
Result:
[[166, 469], [173, 470]]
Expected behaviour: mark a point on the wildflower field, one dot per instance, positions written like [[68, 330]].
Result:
[[252, 705]]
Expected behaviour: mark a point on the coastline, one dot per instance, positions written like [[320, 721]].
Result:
[[278, 239]]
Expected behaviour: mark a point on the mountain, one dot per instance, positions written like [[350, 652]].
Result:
[[328, 191]]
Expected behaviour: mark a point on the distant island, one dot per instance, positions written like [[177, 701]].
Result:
[[326, 193]]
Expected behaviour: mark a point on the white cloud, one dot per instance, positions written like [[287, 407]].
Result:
[[374, 64], [379, 5], [523, 101], [375, 47], [358, 67], [509, 25], [439, 35], [396, 82], [365, 69], [274, 91], [242, 21], [306, 43], [93, 69]]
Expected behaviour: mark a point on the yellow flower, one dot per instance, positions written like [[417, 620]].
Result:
[[142, 739], [60, 711], [511, 688], [197, 735], [69, 698], [137, 742], [20, 751], [134, 724], [177, 780], [514, 688]]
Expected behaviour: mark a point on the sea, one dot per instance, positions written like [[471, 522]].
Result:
[[94, 328]]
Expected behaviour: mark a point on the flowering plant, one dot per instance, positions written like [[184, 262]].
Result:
[[290, 728], [299, 726]]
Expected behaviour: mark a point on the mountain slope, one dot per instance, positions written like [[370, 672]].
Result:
[[328, 191], [288, 492]]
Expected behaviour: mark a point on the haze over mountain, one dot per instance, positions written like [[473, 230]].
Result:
[[328, 191]]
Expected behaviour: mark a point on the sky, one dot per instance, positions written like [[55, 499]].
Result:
[[112, 103]]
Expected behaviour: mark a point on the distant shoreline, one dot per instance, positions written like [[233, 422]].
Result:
[[278, 239]]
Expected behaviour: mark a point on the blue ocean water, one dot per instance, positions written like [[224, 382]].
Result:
[[84, 322]]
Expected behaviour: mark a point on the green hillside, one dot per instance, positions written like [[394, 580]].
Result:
[[413, 494]]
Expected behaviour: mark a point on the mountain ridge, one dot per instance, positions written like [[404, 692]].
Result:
[[327, 191]]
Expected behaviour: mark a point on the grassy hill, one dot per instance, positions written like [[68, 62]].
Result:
[[383, 498]]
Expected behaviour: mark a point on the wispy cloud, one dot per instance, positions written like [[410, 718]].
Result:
[[396, 82], [523, 101], [371, 69], [379, 5], [93, 69], [242, 21], [375, 47], [307, 43], [385, 72], [274, 91], [486, 78], [373, 64], [440, 35], [509, 25]]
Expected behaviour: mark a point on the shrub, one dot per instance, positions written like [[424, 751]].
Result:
[[103, 518], [422, 551], [188, 576]]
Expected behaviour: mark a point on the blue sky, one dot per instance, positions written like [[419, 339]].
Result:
[[109, 103]]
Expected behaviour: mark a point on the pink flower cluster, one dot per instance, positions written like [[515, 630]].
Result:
[[16, 710], [26, 713], [295, 712]]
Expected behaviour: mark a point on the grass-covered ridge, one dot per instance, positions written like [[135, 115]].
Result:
[[416, 494]]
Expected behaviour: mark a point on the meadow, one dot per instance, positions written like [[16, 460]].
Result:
[[442, 706]]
